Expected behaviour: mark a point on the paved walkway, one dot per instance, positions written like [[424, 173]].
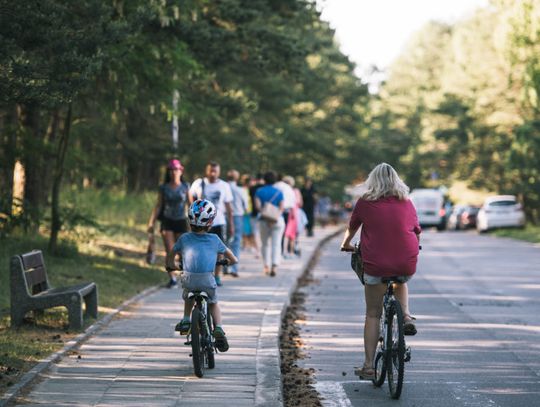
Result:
[[138, 359], [478, 309]]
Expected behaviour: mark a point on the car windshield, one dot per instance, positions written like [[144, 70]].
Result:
[[502, 203]]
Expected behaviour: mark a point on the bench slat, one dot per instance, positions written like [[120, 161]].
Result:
[[32, 260], [35, 276]]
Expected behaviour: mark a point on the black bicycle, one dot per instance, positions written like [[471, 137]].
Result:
[[392, 351], [200, 336]]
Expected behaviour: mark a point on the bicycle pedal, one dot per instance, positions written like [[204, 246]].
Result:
[[407, 354]]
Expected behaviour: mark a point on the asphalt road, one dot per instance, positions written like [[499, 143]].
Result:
[[477, 301]]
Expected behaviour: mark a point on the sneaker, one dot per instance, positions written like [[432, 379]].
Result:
[[234, 273], [221, 340], [183, 326], [218, 281], [172, 283]]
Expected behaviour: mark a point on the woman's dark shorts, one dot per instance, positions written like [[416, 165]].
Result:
[[218, 230], [176, 226]]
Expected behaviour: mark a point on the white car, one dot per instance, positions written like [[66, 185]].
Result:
[[500, 211], [429, 204]]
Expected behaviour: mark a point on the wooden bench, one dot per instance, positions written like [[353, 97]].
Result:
[[31, 291]]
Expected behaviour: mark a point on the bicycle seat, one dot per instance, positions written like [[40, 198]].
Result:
[[192, 294], [395, 279]]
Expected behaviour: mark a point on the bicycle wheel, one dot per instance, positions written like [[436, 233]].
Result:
[[395, 349], [210, 356], [197, 343]]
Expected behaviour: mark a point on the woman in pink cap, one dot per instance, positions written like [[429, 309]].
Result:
[[173, 199]]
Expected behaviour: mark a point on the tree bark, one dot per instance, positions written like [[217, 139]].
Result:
[[8, 159], [63, 141]]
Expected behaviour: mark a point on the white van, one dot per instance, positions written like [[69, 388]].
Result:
[[429, 204]]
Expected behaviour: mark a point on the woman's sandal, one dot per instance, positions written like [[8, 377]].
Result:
[[365, 373], [409, 328]]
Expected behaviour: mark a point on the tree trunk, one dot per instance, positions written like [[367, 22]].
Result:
[[56, 221], [32, 150], [7, 160]]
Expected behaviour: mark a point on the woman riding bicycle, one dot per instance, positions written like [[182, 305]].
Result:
[[389, 248]]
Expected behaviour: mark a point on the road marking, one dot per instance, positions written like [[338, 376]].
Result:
[[333, 394]]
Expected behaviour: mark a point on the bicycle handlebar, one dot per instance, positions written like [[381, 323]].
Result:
[[222, 262]]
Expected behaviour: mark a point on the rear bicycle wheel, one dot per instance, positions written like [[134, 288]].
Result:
[[197, 343], [395, 349]]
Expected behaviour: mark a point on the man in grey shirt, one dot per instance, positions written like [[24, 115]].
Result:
[[239, 206]]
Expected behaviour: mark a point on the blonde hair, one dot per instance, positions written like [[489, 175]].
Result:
[[383, 181], [289, 180]]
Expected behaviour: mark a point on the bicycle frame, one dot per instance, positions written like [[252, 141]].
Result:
[[392, 351], [200, 337]]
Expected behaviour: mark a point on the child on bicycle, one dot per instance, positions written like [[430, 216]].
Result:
[[198, 251]]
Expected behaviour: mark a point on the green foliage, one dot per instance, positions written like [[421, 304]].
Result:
[[463, 98], [530, 233]]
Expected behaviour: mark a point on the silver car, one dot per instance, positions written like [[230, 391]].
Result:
[[500, 211]]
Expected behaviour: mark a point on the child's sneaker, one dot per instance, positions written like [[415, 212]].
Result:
[[221, 340], [183, 326]]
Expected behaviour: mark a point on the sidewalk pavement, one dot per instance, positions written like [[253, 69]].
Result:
[[138, 359]]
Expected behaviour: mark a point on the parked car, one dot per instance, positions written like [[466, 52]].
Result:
[[468, 217], [430, 207], [500, 211], [453, 219]]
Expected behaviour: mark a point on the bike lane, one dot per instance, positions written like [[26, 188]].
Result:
[[478, 309], [138, 359]]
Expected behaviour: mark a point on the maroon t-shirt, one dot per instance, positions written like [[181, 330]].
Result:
[[388, 238]]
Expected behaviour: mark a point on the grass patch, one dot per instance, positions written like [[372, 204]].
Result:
[[112, 254], [530, 233]]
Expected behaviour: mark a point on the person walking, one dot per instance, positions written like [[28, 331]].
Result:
[[289, 202], [256, 183], [173, 198], [249, 242], [389, 248], [293, 219], [271, 230], [239, 205], [217, 191], [309, 197]]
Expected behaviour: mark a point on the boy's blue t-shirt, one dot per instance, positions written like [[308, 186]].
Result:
[[199, 251]]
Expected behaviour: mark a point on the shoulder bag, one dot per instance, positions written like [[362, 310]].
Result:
[[269, 211]]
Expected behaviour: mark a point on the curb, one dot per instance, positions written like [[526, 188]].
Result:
[[269, 386], [29, 377]]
